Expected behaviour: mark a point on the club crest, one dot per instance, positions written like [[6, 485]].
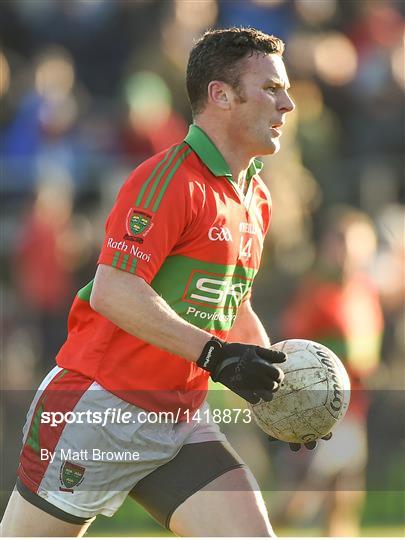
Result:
[[71, 475], [138, 222]]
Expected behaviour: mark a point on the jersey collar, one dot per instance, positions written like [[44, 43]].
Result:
[[212, 157]]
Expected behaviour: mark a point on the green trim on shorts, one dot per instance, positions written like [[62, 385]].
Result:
[[33, 436]]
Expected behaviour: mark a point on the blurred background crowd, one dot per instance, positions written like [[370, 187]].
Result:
[[89, 89]]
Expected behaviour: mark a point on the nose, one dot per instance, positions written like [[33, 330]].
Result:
[[286, 103]]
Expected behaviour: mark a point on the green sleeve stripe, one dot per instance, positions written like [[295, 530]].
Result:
[[168, 179], [124, 262], [116, 258], [152, 174], [162, 172], [85, 292], [133, 265]]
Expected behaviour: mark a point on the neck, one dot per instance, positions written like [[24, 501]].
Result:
[[236, 157]]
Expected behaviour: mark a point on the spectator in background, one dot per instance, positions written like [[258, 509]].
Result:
[[44, 127], [337, 304], [152, 124], [45, 258]]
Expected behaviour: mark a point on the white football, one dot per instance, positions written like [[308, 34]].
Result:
[[312, 398]]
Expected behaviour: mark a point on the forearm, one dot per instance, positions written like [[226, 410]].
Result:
[[248, 328], [130, 303]]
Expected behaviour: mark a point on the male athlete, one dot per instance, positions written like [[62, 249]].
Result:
[[168, 307]]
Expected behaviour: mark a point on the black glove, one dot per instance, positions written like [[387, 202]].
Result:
[[310, 445], [247, 370]]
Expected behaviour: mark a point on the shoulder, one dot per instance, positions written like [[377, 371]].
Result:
[[170, 179], [177, 165]]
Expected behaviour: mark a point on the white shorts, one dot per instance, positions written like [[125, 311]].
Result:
[[85, 468]]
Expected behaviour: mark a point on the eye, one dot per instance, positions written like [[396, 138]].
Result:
[[271, 89]]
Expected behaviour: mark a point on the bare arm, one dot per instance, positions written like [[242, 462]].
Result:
[[248, 328], [130, 303]]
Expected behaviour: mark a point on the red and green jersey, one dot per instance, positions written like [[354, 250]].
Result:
[[181, 223]]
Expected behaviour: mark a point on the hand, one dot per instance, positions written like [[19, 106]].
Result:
[[247, 370], [310, 445]]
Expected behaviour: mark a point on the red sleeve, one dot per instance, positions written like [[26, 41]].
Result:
[[140, 234]]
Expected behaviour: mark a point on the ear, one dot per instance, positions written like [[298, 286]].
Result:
[[219, 94]]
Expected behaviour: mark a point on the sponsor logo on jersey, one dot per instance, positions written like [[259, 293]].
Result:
[[208, 316], [220, 234], [216, 291], [71, 475], [138, 223]]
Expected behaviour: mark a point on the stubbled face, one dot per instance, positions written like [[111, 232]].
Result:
[[258, 110]]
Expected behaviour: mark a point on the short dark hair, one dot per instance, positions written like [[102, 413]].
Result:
[[216, 56]]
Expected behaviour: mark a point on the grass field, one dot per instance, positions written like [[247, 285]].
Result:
[[133, 521], [376, 532], [383, 516]]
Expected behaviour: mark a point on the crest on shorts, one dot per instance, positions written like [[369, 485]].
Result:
[[71, 475], [137, 222]]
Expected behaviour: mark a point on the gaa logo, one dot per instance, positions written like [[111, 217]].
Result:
[[221, 234]]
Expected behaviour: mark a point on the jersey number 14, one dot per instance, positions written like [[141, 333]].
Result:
[[245, 248]]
